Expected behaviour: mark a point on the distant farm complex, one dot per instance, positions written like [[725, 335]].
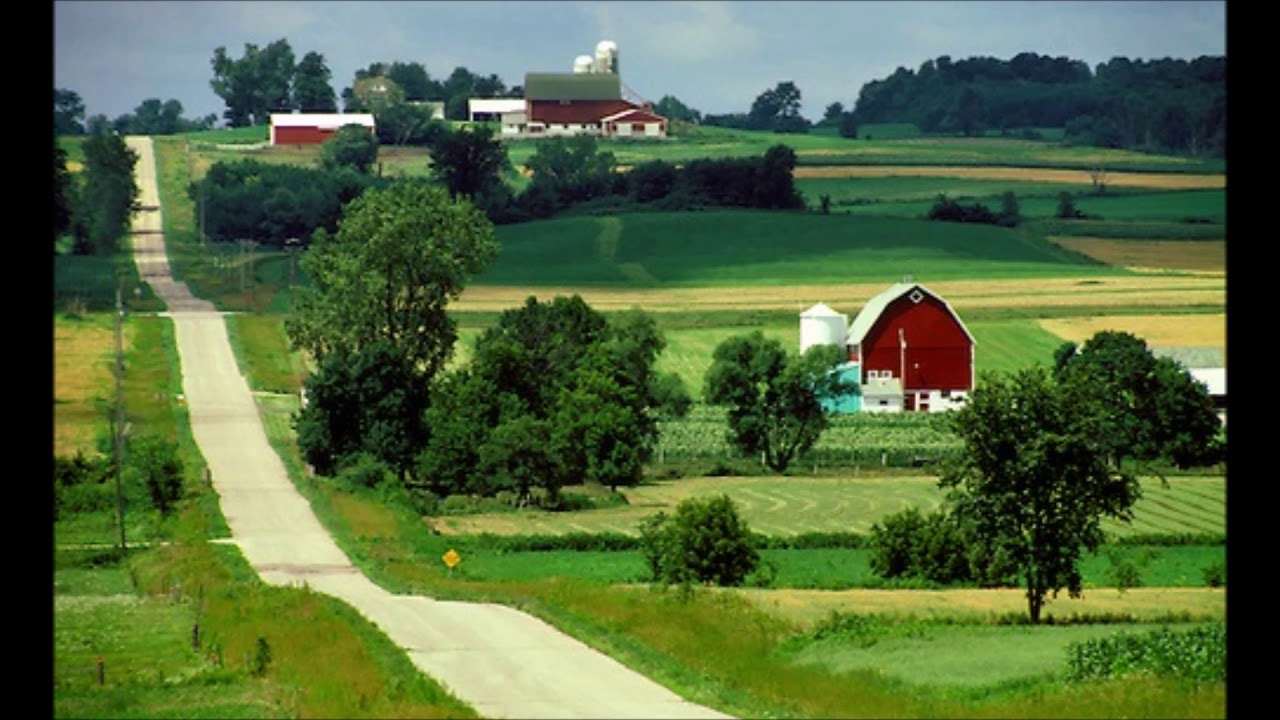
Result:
[[907, 350], [588, 100]]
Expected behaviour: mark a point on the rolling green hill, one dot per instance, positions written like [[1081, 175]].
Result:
[[722, 248]]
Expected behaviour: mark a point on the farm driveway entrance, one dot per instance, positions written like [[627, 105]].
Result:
[[502, 662]]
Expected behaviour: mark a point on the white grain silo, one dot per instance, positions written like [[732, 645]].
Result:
[[820, 325], [606, 57], [582, 64]]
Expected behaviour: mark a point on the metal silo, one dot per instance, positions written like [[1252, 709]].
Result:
[[820, 325], [606, 57]]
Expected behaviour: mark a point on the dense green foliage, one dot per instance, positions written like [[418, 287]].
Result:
[[351, 146], [374, 318], [774, 400], [106, 197], [1033, 479], [271, 203], [1164, 104], [936, 548], [555, 394], [1154, 408], [703, 542]]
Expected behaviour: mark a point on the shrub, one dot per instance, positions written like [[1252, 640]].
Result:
[[934, 549], [705, 541], [365, 471]]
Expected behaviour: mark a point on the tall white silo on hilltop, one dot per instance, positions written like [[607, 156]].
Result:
[[583, 64], [820, 325], [606, 57]]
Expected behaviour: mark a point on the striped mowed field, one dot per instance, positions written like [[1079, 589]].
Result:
[[785, 506]]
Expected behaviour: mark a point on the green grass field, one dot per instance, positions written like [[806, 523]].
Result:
[[729, 248]]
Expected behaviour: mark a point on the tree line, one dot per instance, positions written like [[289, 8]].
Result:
[[1165, 105], [94, 207], [274, 203]]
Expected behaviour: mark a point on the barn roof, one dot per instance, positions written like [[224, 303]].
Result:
[[634, 114], [321, 120], [572, 86], [876, 306]]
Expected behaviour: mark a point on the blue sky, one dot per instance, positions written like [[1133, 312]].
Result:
[[715, 57]]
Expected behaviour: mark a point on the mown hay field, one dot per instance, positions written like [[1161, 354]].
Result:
[[808, 607], [797, 504]]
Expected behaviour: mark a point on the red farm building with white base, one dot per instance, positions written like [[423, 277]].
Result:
[[909, 350], [313, 128]]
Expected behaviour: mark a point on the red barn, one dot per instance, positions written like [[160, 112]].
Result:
[[313, 128], [914, 351]]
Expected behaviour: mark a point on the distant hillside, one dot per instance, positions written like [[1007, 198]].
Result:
[[764, 248]]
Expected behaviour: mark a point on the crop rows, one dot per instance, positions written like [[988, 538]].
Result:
[[855, 439]]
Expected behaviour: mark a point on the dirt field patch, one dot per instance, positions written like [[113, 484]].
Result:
[[1205, 256], [1163, 181], [1157, 330]]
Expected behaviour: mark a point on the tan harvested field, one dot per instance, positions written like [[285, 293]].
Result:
[[1132, 291], [1201, 256], [808, 607], [82, 383], [1157, 330], [1162, 181]]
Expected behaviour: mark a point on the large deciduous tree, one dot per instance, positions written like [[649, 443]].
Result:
[[469, 162], [68, 112], [108, 195], [312, 88], [1033, 480], [584, 386], [774, 400], [257, 84], [1154, 408], [400, 254], [352, 146]]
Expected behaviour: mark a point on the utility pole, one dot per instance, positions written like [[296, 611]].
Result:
[[118, 418]]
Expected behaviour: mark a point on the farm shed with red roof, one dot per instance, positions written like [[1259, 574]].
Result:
[[313, 128], [913, 350]]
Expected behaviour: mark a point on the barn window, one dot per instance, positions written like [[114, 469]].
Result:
[[916, 296]]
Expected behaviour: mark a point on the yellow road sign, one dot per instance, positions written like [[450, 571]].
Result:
[[452, 558]]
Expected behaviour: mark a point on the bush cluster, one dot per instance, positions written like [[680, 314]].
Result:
[[703, 542], [937, 549]]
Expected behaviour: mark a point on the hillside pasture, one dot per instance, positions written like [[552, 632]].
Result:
[[736, 248], [797, 504]]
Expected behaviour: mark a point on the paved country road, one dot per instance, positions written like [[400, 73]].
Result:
[[502, 662]]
